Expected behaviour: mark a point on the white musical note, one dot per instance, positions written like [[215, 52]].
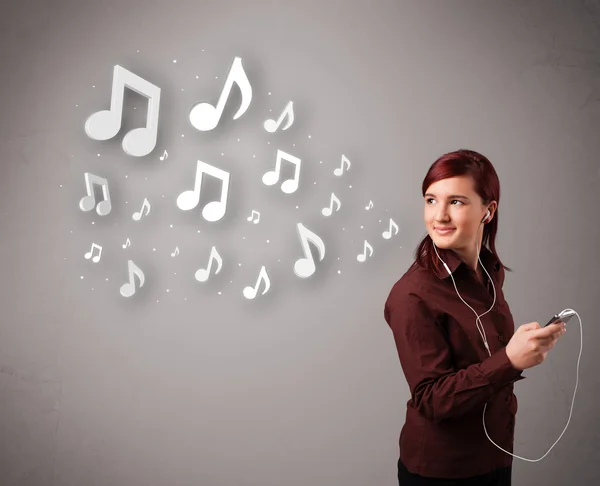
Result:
[[202, 274], [250, 218], [369, 206], [105, 124], [363, 256], [88, 202], [215, 210], [128, 288], [289, 185], [138, 215], [328, 211], [387, 234], [164, 156], [340, 170], [176, 252], [205, 116], [250, 292], [126, 244], [271, 125], [89, 254], [305, 267]]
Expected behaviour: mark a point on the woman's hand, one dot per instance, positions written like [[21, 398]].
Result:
[[531, 342]]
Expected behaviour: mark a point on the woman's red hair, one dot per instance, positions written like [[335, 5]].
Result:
[[460, 163]]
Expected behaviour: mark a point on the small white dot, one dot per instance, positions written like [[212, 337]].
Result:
[[296, 207], [361, 227], [315, 182], [174, 60], [222, 153], [198, 231], [175, 273], [252, 156], [82, 277], [338, 258], [238, 139], [92, 222], [156, 300], [216, 77], [181, 89], [61, 185], [167, 290], [196, 77], [219, 293], [163, 195], [146, 178], [93, 86], [309, 136], [293, 144], [76, 105], [185, 298], [339, 271], [202, 50], [138, 50], [320, 161], [98, 155], [153, 249], [71, 231], [92, 289], [267, 241], [107, 279], [182, 135], [125, 176], [239, 264], [64, 258], [269, 143], [350, 187], [269, 93], [243, 237], [171, 225]]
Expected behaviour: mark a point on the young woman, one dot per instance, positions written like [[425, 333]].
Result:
[[455, 335]]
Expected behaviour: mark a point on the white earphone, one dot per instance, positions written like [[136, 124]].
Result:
[[482, 333]]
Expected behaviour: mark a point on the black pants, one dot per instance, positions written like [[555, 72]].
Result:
[[498, 477]]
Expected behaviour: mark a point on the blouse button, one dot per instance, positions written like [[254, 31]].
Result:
[[501, 338]]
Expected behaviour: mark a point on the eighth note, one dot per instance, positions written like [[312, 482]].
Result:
[[250, 292], [89, 254], [272, 125], [363, 256], [128, 288], [369, 206], [138, 215], [387, 234], [176, 252], [204, 116], [250, 218], [202, 274], [339, 171], [126, 244], [328, 211], [164, 156], [305, 267]]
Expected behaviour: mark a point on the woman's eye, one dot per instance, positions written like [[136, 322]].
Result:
[[431, 199]]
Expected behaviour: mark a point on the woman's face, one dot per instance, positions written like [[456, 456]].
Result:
[[453, 203]]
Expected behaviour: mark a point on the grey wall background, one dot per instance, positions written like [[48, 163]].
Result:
[[188, 383]]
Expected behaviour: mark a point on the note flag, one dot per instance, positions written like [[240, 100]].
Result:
[[387, 234], [272, 125], [305, 267], [202, 274], [138, 215], [128, 288], [250, 292], [105, 124], [290, 185], [205, 116], [215, 210], [88, 202]]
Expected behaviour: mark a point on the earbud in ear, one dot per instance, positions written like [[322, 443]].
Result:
[[487, 215]]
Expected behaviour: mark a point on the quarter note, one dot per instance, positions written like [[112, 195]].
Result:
[[138, 215], [369, 206], [250, 292], [328, 211], [205, 116], [176, 252], [289, 185], [164, 156], [272, 125], [105, 124], [387, 234], [363, 256], [251, 217], [89, 254], [128, 288], [305, 267], [340, 170], [88, 202], [202, 274], [126, 244], [215, 210]]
